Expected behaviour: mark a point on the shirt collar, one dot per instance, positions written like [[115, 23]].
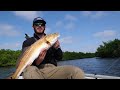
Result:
[[36, 36]]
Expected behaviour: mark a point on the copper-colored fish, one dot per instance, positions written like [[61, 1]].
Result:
[[33, 52]]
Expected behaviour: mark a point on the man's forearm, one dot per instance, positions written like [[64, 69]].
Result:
[[41, 57], [38, 61]]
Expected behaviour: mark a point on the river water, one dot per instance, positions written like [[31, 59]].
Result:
[[89, 65]]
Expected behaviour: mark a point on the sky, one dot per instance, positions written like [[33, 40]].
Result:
[[80, 31]]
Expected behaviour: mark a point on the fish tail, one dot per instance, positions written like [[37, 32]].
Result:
[[13, 76]]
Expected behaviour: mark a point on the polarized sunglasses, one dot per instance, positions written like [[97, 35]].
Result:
[[39, 24]]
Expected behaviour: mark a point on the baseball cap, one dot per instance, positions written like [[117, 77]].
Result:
[[39, 21]]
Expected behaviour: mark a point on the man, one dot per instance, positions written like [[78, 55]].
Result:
[[45, 66]]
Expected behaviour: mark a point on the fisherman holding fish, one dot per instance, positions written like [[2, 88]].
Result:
[[45, 66]]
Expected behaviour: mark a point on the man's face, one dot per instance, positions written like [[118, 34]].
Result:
[[39, 29]]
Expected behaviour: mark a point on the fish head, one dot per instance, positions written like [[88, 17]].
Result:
[[52, 38]]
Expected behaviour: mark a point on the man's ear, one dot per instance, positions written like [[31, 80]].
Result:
[[33, 27]]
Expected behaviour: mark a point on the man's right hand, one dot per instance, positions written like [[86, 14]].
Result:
[[41, 57]]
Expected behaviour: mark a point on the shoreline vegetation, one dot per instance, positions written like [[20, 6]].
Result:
[[9, 57], [110, 49]]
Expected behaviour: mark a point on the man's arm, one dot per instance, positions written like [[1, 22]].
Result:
[[40, 57]]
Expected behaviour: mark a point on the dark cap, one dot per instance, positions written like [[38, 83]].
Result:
[[39, 20]]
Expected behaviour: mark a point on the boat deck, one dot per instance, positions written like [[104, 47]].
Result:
[[94, 76]]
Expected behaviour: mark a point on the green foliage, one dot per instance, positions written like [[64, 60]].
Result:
[[109, 49], [76, 55], [8, 57]]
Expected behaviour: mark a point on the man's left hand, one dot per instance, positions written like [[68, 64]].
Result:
[[56, 45]]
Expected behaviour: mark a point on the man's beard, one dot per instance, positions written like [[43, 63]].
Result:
[[39, 33]]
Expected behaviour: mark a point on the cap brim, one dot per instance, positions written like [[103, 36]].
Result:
[[39, 21]]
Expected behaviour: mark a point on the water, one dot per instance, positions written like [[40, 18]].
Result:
[[96, 66], [6, 71], [89, 65]]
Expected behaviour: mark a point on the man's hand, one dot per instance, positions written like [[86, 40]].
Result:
[[56, 45], [41, 57]]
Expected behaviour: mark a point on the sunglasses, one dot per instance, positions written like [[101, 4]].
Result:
[[39, 24]]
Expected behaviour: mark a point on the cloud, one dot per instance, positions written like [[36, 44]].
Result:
[[93, 14], [105, 34], [66, 40], [98, 14], [12, 46], [86, 13], [70, 17], [74, 46], [8, 30], [89, 48], [28, 15], [47, 30], [70, 26], [67, 22], [59, 24]]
